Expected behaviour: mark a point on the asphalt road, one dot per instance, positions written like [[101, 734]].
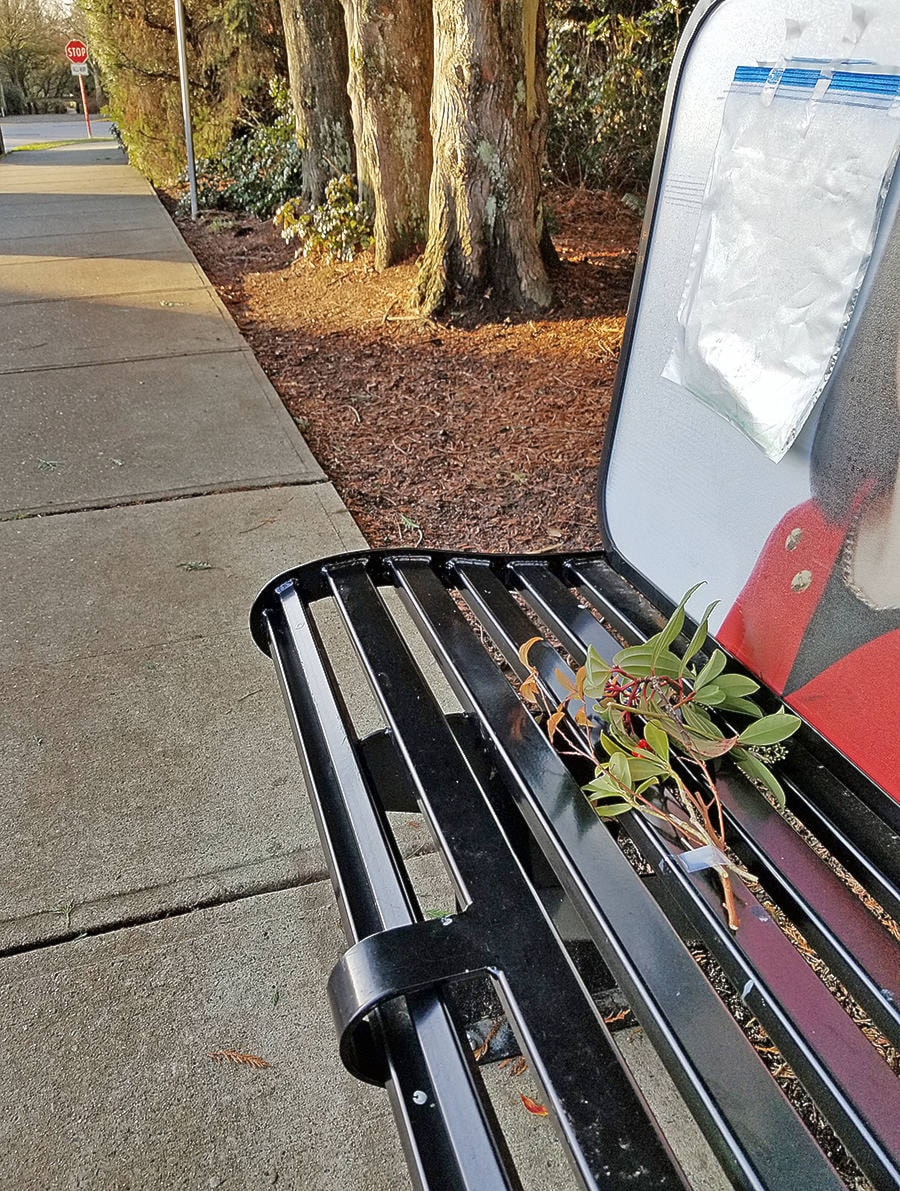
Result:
[[31, 130]]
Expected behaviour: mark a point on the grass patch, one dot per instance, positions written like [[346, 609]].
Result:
[[55, 144]]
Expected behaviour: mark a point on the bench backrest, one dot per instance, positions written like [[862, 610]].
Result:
[[769, 276]]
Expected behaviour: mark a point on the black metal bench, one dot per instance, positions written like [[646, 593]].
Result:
[[521, 843]]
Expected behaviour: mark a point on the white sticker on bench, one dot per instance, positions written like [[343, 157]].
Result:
[[786, 232], [698, 859]]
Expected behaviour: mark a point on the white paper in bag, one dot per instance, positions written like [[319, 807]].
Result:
[[804, 159]]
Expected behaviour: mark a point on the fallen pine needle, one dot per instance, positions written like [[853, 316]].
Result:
[[492, 1033], [235, 1056], [614, 1017], [519, 1065]]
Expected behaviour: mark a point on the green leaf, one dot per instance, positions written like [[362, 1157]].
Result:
[[641, 768], [610, 746], [638, 660], [667, 665], [745, 706], [659, 644], [737, 685], [632, 655], [616, 720], [698, 722], [711, 670], [611, 810], [710, 694], [647, 784], [758, 771], [602, 785], [770, 729], [658, 741], [629, 652], [596, 674], [663, 640], [699, 637], [708, 749], [619, 768]]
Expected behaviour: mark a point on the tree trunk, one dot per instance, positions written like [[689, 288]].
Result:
[[316, 43], [390, 89], [486, 233]]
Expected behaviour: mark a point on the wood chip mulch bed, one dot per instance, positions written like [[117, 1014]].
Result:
[[477, 432]]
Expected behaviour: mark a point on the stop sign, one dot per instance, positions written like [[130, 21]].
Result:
[[76, 51]]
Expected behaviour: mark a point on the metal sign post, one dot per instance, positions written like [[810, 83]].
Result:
[[186, 105], [77, 53]]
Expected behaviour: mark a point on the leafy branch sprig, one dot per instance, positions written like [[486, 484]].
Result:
[[642, 721]]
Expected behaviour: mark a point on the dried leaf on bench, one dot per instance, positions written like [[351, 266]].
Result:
[[525, 649], [236, 1056], [533, 1107], [480, 1051], [614, 1017], [554, 721]]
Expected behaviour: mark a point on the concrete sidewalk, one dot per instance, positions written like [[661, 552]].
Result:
[[150, 482]]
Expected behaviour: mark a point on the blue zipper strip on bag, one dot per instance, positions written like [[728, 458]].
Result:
[[867, 84], [885, 85]]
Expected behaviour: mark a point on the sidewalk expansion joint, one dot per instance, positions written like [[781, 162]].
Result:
[[44, 300], [127, 502], [146, 227], [216, 350], [135, 920]]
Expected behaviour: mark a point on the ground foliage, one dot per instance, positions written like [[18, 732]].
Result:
[[259, 169], [338, 229]]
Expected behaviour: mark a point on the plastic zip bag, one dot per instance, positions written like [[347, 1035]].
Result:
[[804, 160]]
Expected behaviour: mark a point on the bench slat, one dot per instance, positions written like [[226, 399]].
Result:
[[459, 1145], [669, 995]]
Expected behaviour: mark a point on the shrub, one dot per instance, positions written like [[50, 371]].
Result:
[[607, 73], [257, 171], [233, 47], [14, 97], [339, 229], [43, 106]]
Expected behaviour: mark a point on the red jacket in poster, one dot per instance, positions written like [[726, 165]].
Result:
[[855, 702]]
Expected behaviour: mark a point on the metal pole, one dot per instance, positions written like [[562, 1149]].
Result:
[[186, 106], [87, 118]]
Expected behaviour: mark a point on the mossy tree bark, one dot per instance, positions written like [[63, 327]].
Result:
[[316, 43], [390, 88], [486, 233]]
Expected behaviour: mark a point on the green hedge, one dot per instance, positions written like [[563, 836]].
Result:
[[608, 65]]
